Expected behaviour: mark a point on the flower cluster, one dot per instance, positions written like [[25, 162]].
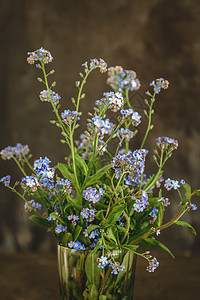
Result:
[[28, 206], [112, 100], [92, 195], [159, 84], [69, 116], [39, 55], [120, 79], [167, 143], [60, 228], [103, 262], [76, 246], [171, 184], [124, 134], [88, 214], [95, 63], [132, 163], [103, 126], [18, 151], [140, 204], [46, 95], [5, 180], [153, 264], [133, 115]]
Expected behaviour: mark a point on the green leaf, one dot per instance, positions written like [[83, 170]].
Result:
[[99, 215], [92, 227], [80, 162], [98, 245], [94, 178], [130, 247], [41, 221], [128, 263], [102, 297], [115, 214], [74, 202], [77, 232], [187, 189], [151, 180], [54, 215], [185, 224], [93, 293], [159, 244], [159, 215], [66, 238], [144, 224], [91, 270], [67, 172], [113, 234], [196, 192]]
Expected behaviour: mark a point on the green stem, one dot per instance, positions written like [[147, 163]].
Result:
[[177, 216], [73, 158], [127, 99], [158, 173], [80, 92], [17, 162], [15, 191], [149, 120], [104, 281], [127, 228], [27, 162], [54, 107], [111, 136]]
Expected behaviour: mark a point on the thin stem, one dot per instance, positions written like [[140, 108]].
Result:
[[54, 107], [127, 228], [27, 162], [73, 157], [80, 92], [15, 191], [158, 173], [149, 119], [127, 98], [177, 216], [111, 136], [104, 281], [17, 162]]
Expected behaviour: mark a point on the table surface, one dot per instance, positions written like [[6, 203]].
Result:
[[28, 276]]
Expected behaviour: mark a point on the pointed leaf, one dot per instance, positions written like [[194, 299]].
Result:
[[129, 247], [80, 162], [99, 215], [77, 232], [196, 192], [187, 189], [185, 224], [92, 227], [41, 221], [115, 214], [94, 178], [98, 245], [102, 297], [67, 172], [66, 238], [159, 244], [113, 235]]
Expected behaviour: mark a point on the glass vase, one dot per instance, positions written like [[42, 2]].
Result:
[[81, 279]]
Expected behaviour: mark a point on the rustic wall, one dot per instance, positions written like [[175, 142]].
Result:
[[154, 38]]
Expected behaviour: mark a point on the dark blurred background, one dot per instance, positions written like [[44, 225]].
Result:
[[156, 38]]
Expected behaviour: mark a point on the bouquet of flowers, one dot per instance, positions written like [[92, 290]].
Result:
[[101, 200]]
